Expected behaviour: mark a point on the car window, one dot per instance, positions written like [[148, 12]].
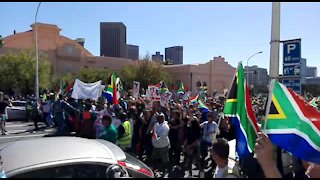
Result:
[[68, 171]]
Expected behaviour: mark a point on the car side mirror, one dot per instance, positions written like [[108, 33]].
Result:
[[116, 171]]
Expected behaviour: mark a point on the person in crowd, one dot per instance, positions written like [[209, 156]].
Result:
[[28, 109], [176, 136], [109, 132], [100, 112], [59, 108], [209, 128], [192, 144], [87, 122], [160, 140], [36, 115], [219, 154], [124, 132], [47, 112], [4, 103], [146, 137]]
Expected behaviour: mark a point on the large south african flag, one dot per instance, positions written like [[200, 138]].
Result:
[[292, 124]]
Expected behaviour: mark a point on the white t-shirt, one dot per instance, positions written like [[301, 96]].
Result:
[[221, 172]]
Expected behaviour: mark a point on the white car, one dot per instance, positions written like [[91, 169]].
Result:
[[17, 111]]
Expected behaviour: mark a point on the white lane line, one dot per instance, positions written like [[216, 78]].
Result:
[[23, 136]]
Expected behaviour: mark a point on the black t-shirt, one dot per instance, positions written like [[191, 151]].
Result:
[[192, 135], [173, 133], [3, 105]]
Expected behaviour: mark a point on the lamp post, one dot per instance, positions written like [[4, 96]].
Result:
[[248, 64], [37, 55]]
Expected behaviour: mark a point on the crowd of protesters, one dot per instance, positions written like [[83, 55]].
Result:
[[179, 134]]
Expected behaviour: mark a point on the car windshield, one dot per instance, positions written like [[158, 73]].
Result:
[[19, 104]]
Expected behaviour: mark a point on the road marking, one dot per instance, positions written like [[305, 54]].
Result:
[[23, 136]]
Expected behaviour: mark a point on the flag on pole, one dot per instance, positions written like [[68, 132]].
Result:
[[239, 109], [292, 124], [194, 99], [107, 93], [181, 88], [69, 87], [202, 106]]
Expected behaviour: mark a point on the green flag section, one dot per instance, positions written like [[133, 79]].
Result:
[[238, 108], [292, 124], [181, 88]]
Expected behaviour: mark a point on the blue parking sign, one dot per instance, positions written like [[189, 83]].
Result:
[[294, 84], [292, 52]]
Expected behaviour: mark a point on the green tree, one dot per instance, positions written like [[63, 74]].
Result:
[[144, 71], [89, 75], [18, 71]]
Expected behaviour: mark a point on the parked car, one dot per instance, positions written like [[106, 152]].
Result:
[[69, 157], [17, 111]]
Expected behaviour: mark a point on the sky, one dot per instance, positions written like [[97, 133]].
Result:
[[232, 30]]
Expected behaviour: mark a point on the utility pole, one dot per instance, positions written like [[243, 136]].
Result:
[[275, 41]]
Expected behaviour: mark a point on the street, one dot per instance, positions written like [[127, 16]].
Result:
[[17, 130]]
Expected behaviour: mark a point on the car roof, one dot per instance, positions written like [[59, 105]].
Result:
[[34, 152]]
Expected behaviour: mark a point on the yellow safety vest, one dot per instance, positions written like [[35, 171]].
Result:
[[126, 138]]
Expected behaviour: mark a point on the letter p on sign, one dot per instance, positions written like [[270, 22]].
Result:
[[291, 47]]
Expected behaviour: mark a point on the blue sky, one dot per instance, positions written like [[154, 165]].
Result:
[[232, 30]]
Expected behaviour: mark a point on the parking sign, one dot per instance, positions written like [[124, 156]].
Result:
[[292, 52], [293, 84]]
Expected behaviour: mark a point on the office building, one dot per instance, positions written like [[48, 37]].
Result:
[[256, 76], [157, 57], [113, 41], [311, 71], [174, 54], [133, 52]]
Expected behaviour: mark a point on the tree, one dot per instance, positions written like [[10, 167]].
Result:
[[18, 72], [90, 75], [1, 41], [145, 71]]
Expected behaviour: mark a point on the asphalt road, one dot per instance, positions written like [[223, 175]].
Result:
[[18, 130]]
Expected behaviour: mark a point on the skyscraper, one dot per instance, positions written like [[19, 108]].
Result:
[[157, 57], [174, 54], [133, 52], [113, 40]]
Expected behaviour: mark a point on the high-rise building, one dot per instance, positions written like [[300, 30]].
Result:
[[256, 76], [133, 52], [174, 54], [113, 40], [311, 71], [157, 57]]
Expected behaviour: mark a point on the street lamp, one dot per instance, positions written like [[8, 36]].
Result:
[[37, 54], [248, 64]]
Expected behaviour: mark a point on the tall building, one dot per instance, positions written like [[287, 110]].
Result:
[[256, 76], [157, 57], [133, 52], [113, 40], [311, 71], [174, 54]]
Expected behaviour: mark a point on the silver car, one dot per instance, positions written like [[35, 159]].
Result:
[[69, 157], [17, 111]]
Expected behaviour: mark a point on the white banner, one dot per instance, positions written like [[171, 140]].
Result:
[[83, 90], [135, 89]]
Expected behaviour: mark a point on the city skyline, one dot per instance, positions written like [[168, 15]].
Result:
[[231, 30]]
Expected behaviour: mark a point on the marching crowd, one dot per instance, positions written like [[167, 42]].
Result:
[[159, 134]]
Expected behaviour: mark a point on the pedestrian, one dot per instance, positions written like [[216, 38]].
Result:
[[47, 112], [220, 154], [209, 128], [87, 122], [176, 136], [124, 132], [192, 144], [160, 140], [4, 103], [108, 132]]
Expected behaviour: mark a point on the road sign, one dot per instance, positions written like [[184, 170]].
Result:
[[294, 84], [291, 70], [292, 51]]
